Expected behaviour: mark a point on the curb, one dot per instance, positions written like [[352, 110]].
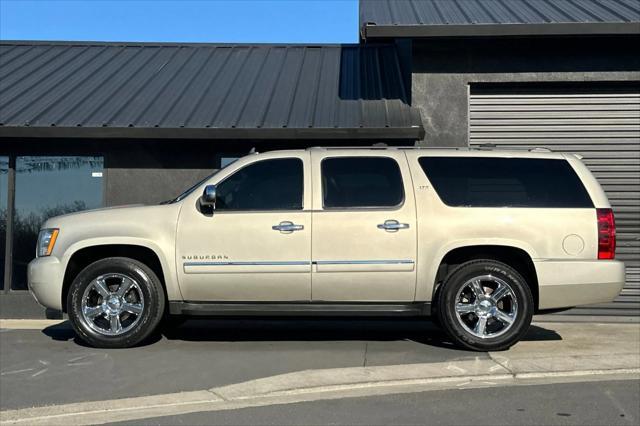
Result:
[[309, 385]]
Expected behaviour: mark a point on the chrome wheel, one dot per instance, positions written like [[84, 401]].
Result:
[[486, 306], [112, 304]]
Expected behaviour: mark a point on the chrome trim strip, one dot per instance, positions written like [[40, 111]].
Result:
[[289, 263], [302, 262], [363, 262]]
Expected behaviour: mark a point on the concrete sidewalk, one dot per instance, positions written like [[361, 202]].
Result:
[[583, 352]]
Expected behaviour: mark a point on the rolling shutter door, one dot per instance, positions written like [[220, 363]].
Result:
[[601, 125]]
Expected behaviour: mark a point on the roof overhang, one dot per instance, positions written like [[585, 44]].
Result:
[[499, 30], [204, 91], [413, 133]]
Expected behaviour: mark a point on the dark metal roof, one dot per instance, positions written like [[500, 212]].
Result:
[[68, 89], [463, 18]]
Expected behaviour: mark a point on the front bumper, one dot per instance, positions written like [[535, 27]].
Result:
[[45, 277], [564, 284]]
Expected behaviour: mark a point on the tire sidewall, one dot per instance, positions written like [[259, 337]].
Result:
[[150, 288], [447, 301]]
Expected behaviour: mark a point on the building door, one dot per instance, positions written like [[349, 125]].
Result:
[[601, 124], [364, 227], [256, 244]]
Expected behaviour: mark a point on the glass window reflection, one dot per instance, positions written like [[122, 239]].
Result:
[[46, 187], [4, 189]]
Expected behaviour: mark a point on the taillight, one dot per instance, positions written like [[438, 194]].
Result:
[[606, 234]]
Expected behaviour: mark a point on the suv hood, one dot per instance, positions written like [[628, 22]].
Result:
[[109, 215]]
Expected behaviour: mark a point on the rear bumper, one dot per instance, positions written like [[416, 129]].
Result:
[[45, 276], [565, 284]]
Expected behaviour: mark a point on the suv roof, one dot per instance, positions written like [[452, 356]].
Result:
[[480, 151], [478, 148]]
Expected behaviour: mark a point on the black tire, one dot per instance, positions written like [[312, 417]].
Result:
[[150, 289], [447, 300]]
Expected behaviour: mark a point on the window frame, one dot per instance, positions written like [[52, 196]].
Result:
[[233, 211], [362, 208], [7, 241]]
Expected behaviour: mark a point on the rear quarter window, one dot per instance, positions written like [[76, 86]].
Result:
[[505, 182]]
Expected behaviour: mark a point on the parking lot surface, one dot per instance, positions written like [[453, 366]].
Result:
[[230, 368], [50, 366]]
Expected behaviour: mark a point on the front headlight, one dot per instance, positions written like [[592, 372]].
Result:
[[46, 241]]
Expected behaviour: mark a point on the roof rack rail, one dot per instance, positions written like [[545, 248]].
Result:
[[483, 147], [490, 146], [328, 148]]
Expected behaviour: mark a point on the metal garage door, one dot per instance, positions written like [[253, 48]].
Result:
[[603, 125]]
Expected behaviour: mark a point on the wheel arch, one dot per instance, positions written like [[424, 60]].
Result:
[[84, 256], [514, 256]]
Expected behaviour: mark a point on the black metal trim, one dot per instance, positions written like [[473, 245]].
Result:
[[10, 218], [299, 309], [413, 133], [501, 30]]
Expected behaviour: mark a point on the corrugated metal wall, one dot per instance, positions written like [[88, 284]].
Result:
[[603, 125]]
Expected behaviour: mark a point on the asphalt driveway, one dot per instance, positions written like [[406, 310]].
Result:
[[50, 366]]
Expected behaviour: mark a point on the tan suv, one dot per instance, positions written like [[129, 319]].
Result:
[[481, 239]]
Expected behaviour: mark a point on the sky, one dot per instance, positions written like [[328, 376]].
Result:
[[221, 21]]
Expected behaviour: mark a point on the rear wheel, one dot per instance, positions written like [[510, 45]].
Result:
[[485, 305], [115, 303]]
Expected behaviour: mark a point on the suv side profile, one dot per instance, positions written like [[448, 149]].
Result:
[[479, 239]]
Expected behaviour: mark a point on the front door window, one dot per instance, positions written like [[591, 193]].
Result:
[[265, 185]]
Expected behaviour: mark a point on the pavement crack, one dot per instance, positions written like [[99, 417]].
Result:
[[504, 364], [218, 395], [366, 349], [618, 405]]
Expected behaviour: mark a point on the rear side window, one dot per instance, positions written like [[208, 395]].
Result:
[[357, 182], [505, 182]]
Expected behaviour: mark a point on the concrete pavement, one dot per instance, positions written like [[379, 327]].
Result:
[[259, 363], [205, 354]]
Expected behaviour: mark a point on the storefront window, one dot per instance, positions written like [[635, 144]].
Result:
[[225, 160], [47, 187], [4, 173]]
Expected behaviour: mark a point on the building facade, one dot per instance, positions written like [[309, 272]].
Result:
[[87, 125], [561, 75]]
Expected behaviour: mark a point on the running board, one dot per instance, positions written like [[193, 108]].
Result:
[[299, 309]]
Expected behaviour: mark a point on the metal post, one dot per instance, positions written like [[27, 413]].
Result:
[[11, 196]]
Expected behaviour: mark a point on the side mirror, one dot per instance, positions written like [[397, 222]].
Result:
[[209, 196]]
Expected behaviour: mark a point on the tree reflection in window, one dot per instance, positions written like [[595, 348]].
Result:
[[46, 187], [4, 189]]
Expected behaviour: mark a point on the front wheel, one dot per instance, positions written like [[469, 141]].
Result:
[[115, 302], [485, 305]]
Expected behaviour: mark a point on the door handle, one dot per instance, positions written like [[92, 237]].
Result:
[[392, 225], [287, 227]]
